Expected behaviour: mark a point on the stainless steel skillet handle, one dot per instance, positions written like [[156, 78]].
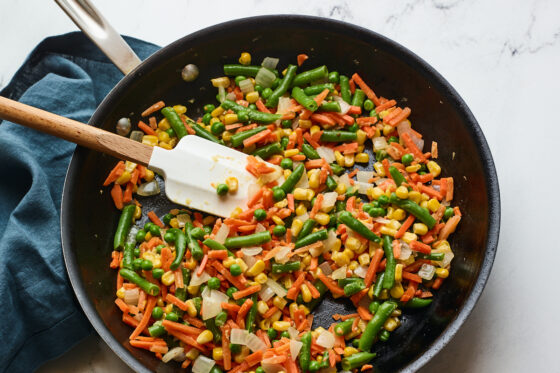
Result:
[[96, 27]]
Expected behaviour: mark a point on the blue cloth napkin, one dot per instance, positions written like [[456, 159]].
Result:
[[41, 319]]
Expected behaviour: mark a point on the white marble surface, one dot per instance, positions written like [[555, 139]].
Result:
[[501, 56]]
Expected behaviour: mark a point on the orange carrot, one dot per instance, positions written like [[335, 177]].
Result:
[[117, 195], [202, 265], [115, 173], [367, 90], [404, 227], [348, 148], [225, 348], [323, 119], [314, 292], [245, 293], [147, 129], [145, 318], [386, 105], [254, 358], [193, 321], [122, 305], [395, 120], [449, 194], [238, 281], [256, 138], [261, 106], [334, 288], [245, 307], [301, 58], [420, 247], [154, 218], [409, 293], [364, 314], [217, 254], [187, 329], [372, 270], [321, 97], [411, 277], [176, 301], [412, 147], [152, 109], [271, 311], [366, 121], [449, 227], [310, 140], [187, 339], [317, 205]]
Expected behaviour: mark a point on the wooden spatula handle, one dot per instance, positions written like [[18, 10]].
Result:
[[76, 132]]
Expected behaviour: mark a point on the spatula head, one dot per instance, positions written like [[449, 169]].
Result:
[[194, 168]]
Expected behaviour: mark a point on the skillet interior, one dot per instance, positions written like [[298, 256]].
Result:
[[89, 218]]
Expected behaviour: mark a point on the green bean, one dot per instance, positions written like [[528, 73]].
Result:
[[348, 280], [310, 152], [175, 122], [398, 178], [221, 319], [289, 184], [378, 287], [282, 88], [357, 226], [252, 315], [213, 244], [192, 243], [344, 327], [432, 256], [216, 332], [423, 214], [312, 238], [156, 330], [330, 106], [307, 228], [181, 293], [375, 324], [357, 360], [268, 151], [234, 70], [186, 275], [202, 132], [286, 267], [255, 239], [125, 221], [384, 335], [305, 352], [254, 115], [180, 247], [238, 138], [331, 183], [336, 169], [306, 101], [354, 288], [345, 89], [310, 76], [147, 286], [338, 136], [417, 303], [373, 307], [389, 278], [216, 369], [358, 98], [128, 255], [318, 88]]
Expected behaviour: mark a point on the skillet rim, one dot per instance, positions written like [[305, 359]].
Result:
[[354, 31]]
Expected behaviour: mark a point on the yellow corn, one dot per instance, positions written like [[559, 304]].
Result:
[[252, 97], [242, 264], [314, 129], [305, 123], [300, 194], [148, 256], [296, 227], [388, 231], [434, 168], [349, 160], [165, 145], [230, 119], [174, 223], [257, 268], [164, 124], [261, 278], [245, 58], [362, 158], [398, 214], [149, 175], [232, 184], [192, 354], [306, 293], [137, 212], [420, 228], [287, 173], [281, 204], [424, 204], [281, 325], [412, 168], [353, 265], [191, 308], [217, 112], [220, 82], [340, 188], [160, 302], [191, 264], [209, 220], [262, 307], [228, 262], [364, 259], [277, 220], [148, 236], [193, 289], [442, 272], [301, 209], [402, 192], [264, 324], [180, 109], [280, 303], [398, 272], [290, 153], [414, 196], [150, 140], [124, 178], [387, 129], [204, 337], [425, 197], [341, 259], [409, 237], [120, 293], [236, 211], [349, 351], [352, 243], [168, 308], [390, 324], [168, 278], [378, 167], [339, 158], [314, 179], [217, 353], [322, 218], [433, 205], [361, 137]]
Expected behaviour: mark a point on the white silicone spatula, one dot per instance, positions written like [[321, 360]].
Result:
[[191, 170]]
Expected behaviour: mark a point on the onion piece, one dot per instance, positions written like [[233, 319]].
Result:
[[295, 348], [344, 179], [260, 228], [212, 303], [362, 187], [364, 176], [344, 106], [231, 96], [277, 288], [326, 153], [151, 188], [173, 354], [270, 62], [427, 271], [271, 367], [246, 86], [303, 217], [339, 273], [266, 293], [136, 135], [131, 296], [249, 260], [271, 176], [251, 251], [282, 255], [326, 339], [202, 364], [265, 77], [330, 241], [197, 280], [222, 233], [284, 105], [406, 252], [221, 94], [361, 271], [379, 143], [254, 343], [329, 200], [326, 268], [239, 336], [303, 182], [294, 334], [381, 220]]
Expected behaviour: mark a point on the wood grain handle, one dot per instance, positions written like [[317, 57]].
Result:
[[76, 132]]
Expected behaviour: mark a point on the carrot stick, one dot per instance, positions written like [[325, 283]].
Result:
[[256, 138], [404, 227], [310, 140], [314, 292], [411, 277], [261, 106], [412, 147], [385, 106], [181, 327], [122, 305], [202, 265], [334, 288], [317, 205], [114, 174], [449, 194], [225, 347], [244, 310], [248, 291], [301, 58], [364, 314], [321, 97], [147, 129], [420, 247], [193, 321], [254, 358], [271, 311], [152, 109], [176, 301], [399, 117], [410, 290], [323, 119], [117, 195], [367, 90], [366, 121], [375, 260], [296, 286], [187, 339], [217, 254], [145, 318], [238, 281], [154, 218]]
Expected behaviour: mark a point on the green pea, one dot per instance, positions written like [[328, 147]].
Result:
[[258, 88], [266, 93], [147, 265], [287, 164], [198, 233], [284, 142], [259, 370], [373, 113], [373, 306], [239, 78], [171, 132], [214, 283], [167, 218], [207, 229], [154, 230], [272, 333], [172, 316], [368, 105], [279, 230], [286, 123], [169, 237], [230, 291], [367, 207], [334, 77], [206, 118], [383, 200], [285, 334], [137, 252], [235, 269], [137, 264], [157, 273], [147, 226], [448, 213], [392, 139], [278, 193], [377, 211], [235, 348], [354, 128], [407, 159], [209, 108], [157, 313], [217, 128], [252, 107], [242, 116], [222, 189], [141, 236], [260, 214]]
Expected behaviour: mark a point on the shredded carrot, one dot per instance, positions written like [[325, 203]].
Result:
[[386, 105], [334, 288], [317, 206], [147, 129], [375, 260], [187, 329], [237, 281], [246, 292], [412, 147], [217, 254], [256, 138], [296, 287], [364, 314], [310, 140], [301, 58], [323, 119], [245, 307], [404, 227], [176, 301], [122, 305], [145, 318], [366, 121], [367, 90], [203, 265], [397, 249], [117, 195], [411, 277], [226, 352], [410, 290], [420, 247], [187, 339], [254, 358], [154, 218], [115, 173], [261, 106], [152, 109]]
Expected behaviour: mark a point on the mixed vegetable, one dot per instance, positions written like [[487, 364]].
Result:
[[238, 294]]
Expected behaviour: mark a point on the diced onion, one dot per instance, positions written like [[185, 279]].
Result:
[[231, 96], [344, 106], [294, 334], [363, 187], [211, 305], [249, 260], [183, 219], [284, 105], [282, 255], [361, 271], [222, 233], [131, 296], [381, 220], [326, 268], [379, 143], [364, 176], [202, 364], [339, 273], [271, 176], [330, 241], [173, 354], [271, 367], [326, 153], [136, 135], [270, 62], [277, 288], [303, 218], [221, 94], [380, 181], [254, 343], [326, 339], [259, 228], [265, 77], [266, 293], [295, 347], [239, 336], [344, 179], [251, 251], [246, 86], [405, 251], [303, 182], [151, 188], [329, 200], [197, 280], [427, 271]]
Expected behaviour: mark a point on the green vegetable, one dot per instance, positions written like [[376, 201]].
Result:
[[345, 89], [214, 283], [331, 183], [222, 189], [221, 319], [354, 287], [330, 106], [198, 233], [407, 159], [209, 108], [338, 136], [235, 269], [384, 335], [238, 79], [279, 230], [396, 175], [287, 164], [213, 244], [128, 255], [251, 315], [389, 278], [141, 236], [147, 265], [378, 287], [289, 184], [169, 237], [254, 115], [278, 193], [238, 138], [344, 327], [180, 247], [202, 132], [135, 278], [375, 324], [266, 93], [318, 88], [373, 306], [307, 228], [260, 214], [432, 256], [418, 303], [337, 170], [272, 101], [192, 243], [231, 290], [368, 105], [175, 121], [358, 98], [156, 330], [286, 123], [310, 76], [357, 360], [157, 313], [423, 214], [268, 151], [334, 77], [216, 332], [448, 213], [286, 267], [157, 273], [320, 235], [306, 101], [217, 128], [310, 152], [234, 70], [235, 348], [305, 352], [357, 226], [125, 221], [271, 333], [172, 316], [255, 239]]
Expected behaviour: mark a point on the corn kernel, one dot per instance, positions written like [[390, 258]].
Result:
[[340, 188], [137, 212], [280, 303], [245, 58], [434, 168], [193, 289], [414, 196], [276, 316], [360, 148], [306, 293], [339, 158], [281, 325], [378, 167], [264, 324], [349, 160], [310, 194], [252, 97], [409, 237], [262, 307], [217, 112], [398, 272], [296, 227], [292, 308], [387, 130], [413, 168], [287, 282], [424, 204], [149, 175], [442, 272], [236, 211], [304, 309], [287, 173], [165, 145], [257, 268], [420, 228], [204, 337], [306, 260], [300, 194], [174, 223], [180, 109], [148, 256], [425, 197], [290, 153], [281, 204], [228, 262], [370, 292], [322, 218], [261, 278], [120, 293], [353, 265], [217, 353], [148, 236], [232, 184], [210, 220], [433, 205], [364, 259], [277, 220], [222, 81], [305, 123], [362, 158], [192, 354], [168, 308], [390, 324], [301, 209], [314, 179], [349, 351], [337, 245], [124, 178], [402, 192], [191, 308], [394, 224], [150, 140], [340, 259], [352, 243], [168, 278], [242, 264], [191, 264], [160, 302], [164, 124], [361, 137], [398, 214], [230, 119], [388, 231], [314, 129]]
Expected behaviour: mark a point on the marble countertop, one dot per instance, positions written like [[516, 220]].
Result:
[[501, 56]]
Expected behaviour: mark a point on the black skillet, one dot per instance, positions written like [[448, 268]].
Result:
[[89, 218]]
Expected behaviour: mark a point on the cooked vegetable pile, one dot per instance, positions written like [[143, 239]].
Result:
[[238, 294]]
